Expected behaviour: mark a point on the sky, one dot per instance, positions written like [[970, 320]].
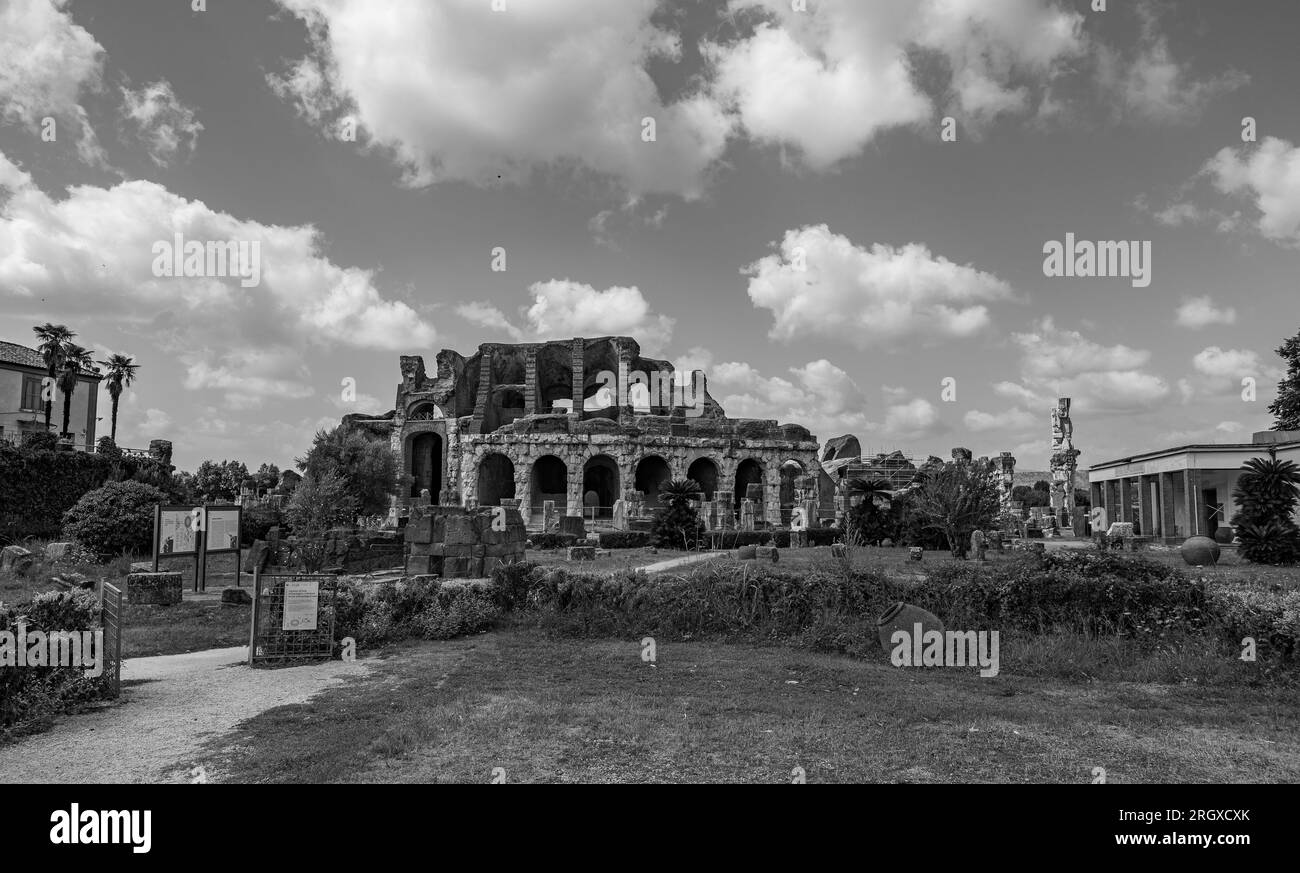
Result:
[[838, 210]]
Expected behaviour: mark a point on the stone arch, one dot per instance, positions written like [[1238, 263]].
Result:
[[496, 479], [426, 455], [790, 472], [652, 471], [554, 376], [548, 480], [704, 471], [748, 472], [600, 475]]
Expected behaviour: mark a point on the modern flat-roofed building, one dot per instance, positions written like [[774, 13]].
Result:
[[22, 409], [1186, 491]]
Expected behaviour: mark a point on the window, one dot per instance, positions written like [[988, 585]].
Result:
[[32, 401]]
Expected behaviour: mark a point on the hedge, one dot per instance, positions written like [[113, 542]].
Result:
[[31, 697], [418, 607], [552, 540], [626, 539], [38, 487]]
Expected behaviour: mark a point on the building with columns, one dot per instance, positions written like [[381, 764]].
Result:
[[1187, 491], [583, 423]]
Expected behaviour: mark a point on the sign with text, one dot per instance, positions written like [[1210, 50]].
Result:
[[301, 602]]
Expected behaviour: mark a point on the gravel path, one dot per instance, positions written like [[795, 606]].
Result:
[[153, 733]]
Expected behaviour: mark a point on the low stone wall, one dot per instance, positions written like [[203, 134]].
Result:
[[162, 589], [453, 541]]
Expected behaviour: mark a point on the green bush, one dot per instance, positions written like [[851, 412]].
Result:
[[625, 539], [553, 540], [32, 696], [114, 519], [412, 608], [1271, 619], [37, 486], [255, 522], [510, 584]]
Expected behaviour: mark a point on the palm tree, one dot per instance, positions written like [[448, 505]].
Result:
[[76, 360], [53, 337], [870, 489], [120, 374]]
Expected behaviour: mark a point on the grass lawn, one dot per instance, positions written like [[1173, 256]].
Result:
[[555, 710], [189, 626], [618, 559]]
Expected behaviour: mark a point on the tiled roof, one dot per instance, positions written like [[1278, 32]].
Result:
[[12, 353]]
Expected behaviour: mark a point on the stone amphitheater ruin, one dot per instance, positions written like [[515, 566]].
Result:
[[582, 423]]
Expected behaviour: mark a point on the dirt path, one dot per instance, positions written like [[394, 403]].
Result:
[[680, 562], [154, 731]]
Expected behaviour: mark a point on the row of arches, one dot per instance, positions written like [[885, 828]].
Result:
[[601, 485], [548, 478]]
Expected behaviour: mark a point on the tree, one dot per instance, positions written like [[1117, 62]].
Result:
[[1286, 406], [119, 374], [365, 463], [1266, 495], [677, 523], [267, 477], [868, 521], [1029, 496], [957, 500], [220, 481], [318, 504], [53, 338], [76, 361]]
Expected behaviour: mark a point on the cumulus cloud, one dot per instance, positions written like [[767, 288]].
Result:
[[1155, 86], [457, 92], [1199, 312], [1010, 419], [1056, 362], [164, 123], [565, 308], [95, 251], [1269, 176], [823, 285], [46, 64], [1220, 363], [818, 395], [915, 419]]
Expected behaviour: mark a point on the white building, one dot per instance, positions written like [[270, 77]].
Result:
[[1185, 491]]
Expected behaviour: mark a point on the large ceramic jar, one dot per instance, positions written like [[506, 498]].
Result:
[[1200, 551], [904, 616]]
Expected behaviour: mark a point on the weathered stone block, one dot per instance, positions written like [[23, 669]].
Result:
[[746, 553], [767, 553], [573, 524], [57, 551], [839, 550], [16, 559], [236, 596], [420, 528], [417, 565], [157, 588]]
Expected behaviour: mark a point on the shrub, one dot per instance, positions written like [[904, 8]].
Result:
[[114, 519], [510, 584], [553, 540], [731, 539], [1266, 494], [625, 539], [40, 441], [255, 522], [31, 696], [1272, 620], [426, 608], [677, 524], [367, 464]]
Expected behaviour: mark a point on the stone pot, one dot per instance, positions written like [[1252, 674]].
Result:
[[1200, 551], [904, 616], [1224, 535]]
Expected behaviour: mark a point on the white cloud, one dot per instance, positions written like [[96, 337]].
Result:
[[868, 296], [164, 123], [1226, 363], [1011, 419], [46, 63], [1063, 363], [1269, 175], [94, 250], [915, 419], [458, 92], [1154, 85], [819, 395], [565, 308], [1199, 312]]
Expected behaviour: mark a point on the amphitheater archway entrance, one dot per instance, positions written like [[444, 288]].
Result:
[[549, 480], [651, 473], [496, 479], [750, 472], [426, 464], [705, 472], [600, 478]]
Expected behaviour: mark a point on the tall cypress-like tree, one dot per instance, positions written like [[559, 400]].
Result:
[[1286, 407]]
